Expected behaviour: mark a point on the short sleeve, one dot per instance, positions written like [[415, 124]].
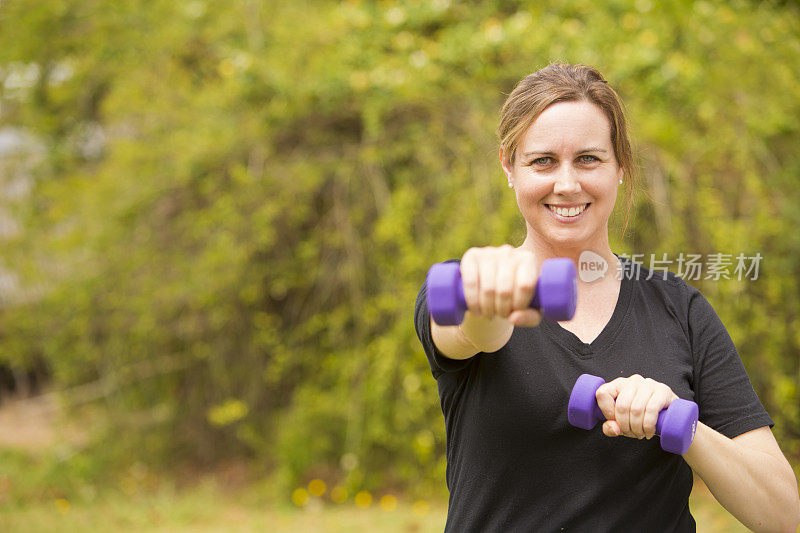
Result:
[[722, 387], [439, 362]]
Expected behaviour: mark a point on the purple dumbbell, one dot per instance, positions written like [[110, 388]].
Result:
[[555, 295], [676, 424]]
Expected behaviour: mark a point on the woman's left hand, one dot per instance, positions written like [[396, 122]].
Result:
[[631, 406]]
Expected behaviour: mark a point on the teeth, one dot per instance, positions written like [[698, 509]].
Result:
[[568, 212]]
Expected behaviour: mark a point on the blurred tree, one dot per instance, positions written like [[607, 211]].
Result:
[[238, 202]]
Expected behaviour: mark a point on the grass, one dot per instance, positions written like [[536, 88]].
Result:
[[209, 506], [50, 482]]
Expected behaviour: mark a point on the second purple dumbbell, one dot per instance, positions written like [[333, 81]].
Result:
[[556, 292], [676, 424]]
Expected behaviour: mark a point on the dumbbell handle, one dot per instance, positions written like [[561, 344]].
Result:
[[662, 415], [462, 300]]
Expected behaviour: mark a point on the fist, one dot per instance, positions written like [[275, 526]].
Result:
[[499, 282], [631, 406]]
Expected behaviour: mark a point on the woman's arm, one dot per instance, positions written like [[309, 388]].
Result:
[[749, 476], [475, 334]]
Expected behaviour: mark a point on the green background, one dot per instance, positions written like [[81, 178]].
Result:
[[220, 213]]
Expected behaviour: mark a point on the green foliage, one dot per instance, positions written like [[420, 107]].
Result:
[[238, 202]]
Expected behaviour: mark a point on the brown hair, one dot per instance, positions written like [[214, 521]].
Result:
[[562, 82]]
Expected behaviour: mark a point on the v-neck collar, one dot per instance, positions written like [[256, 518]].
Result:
[[571, 341]]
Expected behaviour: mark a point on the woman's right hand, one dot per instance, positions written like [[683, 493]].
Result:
[[499, 283]]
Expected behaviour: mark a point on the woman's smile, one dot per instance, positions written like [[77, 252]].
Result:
[[567, 213]]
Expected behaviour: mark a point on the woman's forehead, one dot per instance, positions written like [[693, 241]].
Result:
[[567, 124]]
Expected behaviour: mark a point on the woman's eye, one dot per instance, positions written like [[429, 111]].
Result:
[[541, 161], [588, 159]]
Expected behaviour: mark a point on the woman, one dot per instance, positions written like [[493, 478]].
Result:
[[513, 461]]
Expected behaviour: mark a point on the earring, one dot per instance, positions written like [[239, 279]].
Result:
[[620, 182], [510, 185]]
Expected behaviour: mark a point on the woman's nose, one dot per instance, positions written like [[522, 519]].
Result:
[[567, 182]]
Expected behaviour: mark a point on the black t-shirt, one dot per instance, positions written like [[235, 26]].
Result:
[[514, 463]]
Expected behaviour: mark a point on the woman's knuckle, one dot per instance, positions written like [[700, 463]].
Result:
[[525, 286]]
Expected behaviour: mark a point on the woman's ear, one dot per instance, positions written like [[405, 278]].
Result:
[[506, 164]]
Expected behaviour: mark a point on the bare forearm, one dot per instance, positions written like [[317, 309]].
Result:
[[476, 334], [759, 489]]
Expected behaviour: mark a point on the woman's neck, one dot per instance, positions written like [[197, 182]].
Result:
[[596, 263], [546, 250]]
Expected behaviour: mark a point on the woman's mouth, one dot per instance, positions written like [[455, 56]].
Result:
[[567, 213]]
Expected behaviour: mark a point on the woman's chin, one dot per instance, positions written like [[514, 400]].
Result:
[[558, 241], [566, 237]]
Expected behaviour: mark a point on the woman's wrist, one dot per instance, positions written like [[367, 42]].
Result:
[[487, 335]]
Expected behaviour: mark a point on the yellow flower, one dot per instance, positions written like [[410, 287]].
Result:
[[363, 499], [300, 497], [338, 494], [388, 503], [420, 508], [316, 487], [62, 505]]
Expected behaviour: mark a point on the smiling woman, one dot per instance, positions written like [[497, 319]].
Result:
[[566, 173], [514, 463], [577, 84]]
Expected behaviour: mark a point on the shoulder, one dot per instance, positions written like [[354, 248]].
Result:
[[662, 288], [655, 281]]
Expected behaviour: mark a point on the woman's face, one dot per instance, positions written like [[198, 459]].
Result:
[[565, 175]]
